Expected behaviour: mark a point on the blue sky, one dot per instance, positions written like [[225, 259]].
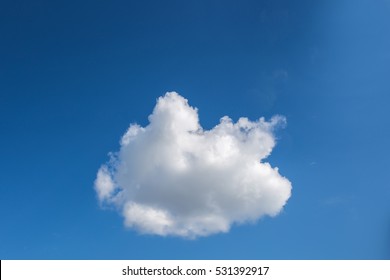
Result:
[[75, 74]]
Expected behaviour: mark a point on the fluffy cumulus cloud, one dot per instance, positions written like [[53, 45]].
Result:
[[172, 177]]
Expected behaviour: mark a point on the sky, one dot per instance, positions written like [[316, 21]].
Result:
[[75, 76]]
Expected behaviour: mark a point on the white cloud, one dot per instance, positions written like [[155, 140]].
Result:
[[174, 178]]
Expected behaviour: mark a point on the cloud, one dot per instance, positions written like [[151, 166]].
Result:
[[172, 177]]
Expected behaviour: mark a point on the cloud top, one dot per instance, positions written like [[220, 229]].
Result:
[[172, 177]]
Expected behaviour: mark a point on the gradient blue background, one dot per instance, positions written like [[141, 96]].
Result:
[[75, 74]]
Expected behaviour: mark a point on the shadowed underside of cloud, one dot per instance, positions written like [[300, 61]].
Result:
[[174, 178]]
